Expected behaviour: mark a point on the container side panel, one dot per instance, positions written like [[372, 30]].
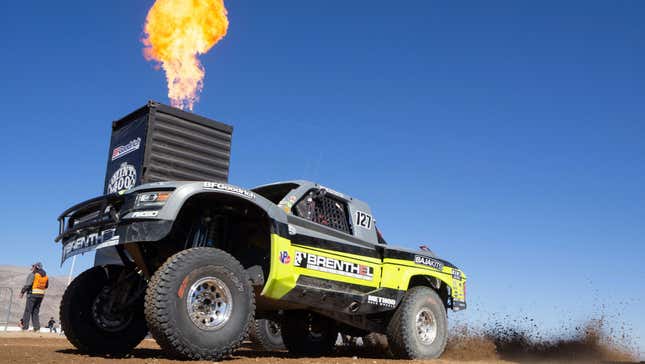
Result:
[[184, 150]]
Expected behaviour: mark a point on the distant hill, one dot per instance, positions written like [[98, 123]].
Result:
[[14, 278]]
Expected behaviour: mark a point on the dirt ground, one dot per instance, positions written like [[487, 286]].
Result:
[[18, 347], [50, 348]]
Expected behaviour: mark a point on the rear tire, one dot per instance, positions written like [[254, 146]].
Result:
[[419, 327], [200, 304], [266, 335], [87, 319], [307, 333], [375, 343]]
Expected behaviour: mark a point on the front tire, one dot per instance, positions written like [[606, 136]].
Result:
[[307, 333], [90, 315], [419, 327], [199, 304]]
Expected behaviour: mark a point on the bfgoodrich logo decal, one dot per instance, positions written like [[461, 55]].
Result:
[[335, 266], [122, 150], [123, 179], [229, 188]]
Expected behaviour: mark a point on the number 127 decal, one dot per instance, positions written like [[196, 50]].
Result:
[[363, 220]]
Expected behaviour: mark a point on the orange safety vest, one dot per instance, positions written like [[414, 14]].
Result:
[[40, 284]]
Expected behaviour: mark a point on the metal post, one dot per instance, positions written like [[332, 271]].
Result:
[[9, 310], [6, 324]]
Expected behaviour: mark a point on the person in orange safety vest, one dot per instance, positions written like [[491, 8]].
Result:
[[35, 286]]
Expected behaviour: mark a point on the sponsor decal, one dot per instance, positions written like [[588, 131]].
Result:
[[229, 188], [94, 240], [363, 220], [284, 257], [123, 179], [381, 301], [420, 259], [145, 214], [335, 266], [456, 274], [122, 150]]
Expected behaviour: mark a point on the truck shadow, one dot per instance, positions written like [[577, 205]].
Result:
[[138, 353], [243, 352]]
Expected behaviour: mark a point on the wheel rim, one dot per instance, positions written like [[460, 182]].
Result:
[[209, 303], [426, 325], [104, 314], [273, 328], [316, 328]]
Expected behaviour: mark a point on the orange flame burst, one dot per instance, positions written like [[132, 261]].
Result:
[[176, 31]]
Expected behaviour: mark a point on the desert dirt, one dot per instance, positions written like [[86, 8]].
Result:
[[50, 348], [19, 347]]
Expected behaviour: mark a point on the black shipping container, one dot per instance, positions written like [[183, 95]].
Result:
[[161, 143]]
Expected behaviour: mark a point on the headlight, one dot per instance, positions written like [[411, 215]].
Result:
[[150, 199]]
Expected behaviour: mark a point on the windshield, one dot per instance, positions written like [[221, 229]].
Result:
[[275, 193]]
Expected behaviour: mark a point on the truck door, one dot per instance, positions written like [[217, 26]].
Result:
[[329, 246]]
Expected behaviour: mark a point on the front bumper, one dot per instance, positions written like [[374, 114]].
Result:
[[96, 224]]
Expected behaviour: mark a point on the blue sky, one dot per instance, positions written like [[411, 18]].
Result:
[[507, 136]]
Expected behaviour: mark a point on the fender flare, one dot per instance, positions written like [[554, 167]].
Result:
[[189, 191]]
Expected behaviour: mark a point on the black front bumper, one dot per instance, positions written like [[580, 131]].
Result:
[[96, 224], [100, 211]]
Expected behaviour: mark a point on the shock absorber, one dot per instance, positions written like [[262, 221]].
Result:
[[211, 231]]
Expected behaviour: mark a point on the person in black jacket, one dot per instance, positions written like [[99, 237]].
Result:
[[51, 325], [35, 285]]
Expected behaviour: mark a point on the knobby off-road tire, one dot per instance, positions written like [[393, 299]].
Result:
[[200, 304], [266, 335], [307, 333], [87, 321], [419, 327]]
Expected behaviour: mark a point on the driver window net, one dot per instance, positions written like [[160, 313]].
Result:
[[324, 209]]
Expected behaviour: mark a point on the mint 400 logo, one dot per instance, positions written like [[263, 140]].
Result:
[[123, 179], [335, 266]]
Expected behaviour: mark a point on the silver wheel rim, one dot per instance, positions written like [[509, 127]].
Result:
[[209, 303], [426, 326]]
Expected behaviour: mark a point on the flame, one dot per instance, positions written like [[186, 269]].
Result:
[[176, 31]]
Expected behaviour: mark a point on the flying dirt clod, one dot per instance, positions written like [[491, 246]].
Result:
[[176, 32]]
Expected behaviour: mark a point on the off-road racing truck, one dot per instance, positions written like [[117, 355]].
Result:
[[197, 262]]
